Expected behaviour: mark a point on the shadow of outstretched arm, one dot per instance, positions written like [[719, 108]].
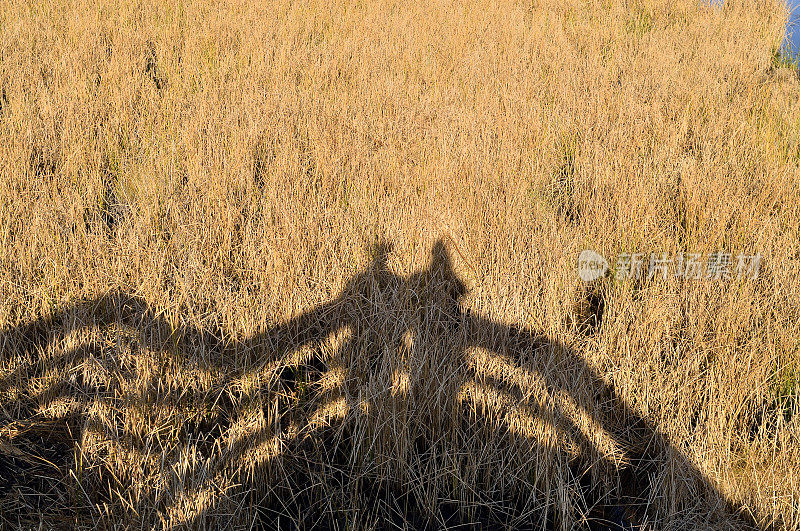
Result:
[[43, 367], [29, 342], [587, 408]]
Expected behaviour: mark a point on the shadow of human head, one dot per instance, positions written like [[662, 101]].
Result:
[[380, 252], [438, 287], [442, 272]]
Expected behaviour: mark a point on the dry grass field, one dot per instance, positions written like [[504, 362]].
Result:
[[304, 263]]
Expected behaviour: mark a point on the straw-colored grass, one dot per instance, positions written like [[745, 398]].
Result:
[[232, 237]]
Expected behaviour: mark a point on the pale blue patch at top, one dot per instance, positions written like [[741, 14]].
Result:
[[790, 48], [791, 44]]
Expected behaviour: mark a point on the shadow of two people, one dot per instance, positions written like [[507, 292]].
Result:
[[396, 368]]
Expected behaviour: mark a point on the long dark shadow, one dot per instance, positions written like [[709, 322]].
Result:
[[425, 305]]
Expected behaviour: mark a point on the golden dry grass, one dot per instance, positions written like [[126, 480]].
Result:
[[193, 192]]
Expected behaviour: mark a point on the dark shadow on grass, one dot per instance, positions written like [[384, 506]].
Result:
[[487, 359]]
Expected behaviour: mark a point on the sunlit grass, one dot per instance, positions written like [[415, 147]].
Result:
[[235, 164]]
